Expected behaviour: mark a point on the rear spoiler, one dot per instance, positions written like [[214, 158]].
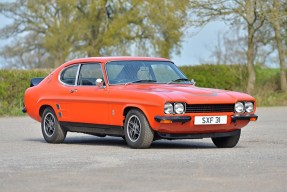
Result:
[[35, 81]]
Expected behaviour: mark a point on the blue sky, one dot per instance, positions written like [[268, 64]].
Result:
[[195, 47]]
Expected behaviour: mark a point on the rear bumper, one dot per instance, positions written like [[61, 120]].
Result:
[[24, 110]]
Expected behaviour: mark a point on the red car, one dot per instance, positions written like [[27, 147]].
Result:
[[140, 99]]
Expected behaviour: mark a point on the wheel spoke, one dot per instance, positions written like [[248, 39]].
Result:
[[49, 124], [47, 121], [134, 128]]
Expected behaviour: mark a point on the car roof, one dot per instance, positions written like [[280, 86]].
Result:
[[107, 59]]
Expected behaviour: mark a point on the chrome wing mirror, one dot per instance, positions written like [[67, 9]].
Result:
[[192, 82], [100, 83]]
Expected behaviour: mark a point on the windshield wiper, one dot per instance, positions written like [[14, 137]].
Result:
[[142, 81], [179, 79]]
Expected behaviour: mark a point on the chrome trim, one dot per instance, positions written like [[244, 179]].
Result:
[[59, 76], [243, 102], [106, 72], [173, 104], [78, 72], [184, 107], [77, 75]]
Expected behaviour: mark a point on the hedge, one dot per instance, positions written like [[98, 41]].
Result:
[[13, 83], [229, 77]]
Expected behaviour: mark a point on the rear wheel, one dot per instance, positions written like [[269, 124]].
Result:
[[51, 129], [138, 133], [227, 142]]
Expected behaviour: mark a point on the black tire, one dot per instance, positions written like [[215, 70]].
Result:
[[51, 129], [226, 142], [138, 133]]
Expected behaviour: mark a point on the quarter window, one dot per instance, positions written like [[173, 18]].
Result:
[[68, 75]]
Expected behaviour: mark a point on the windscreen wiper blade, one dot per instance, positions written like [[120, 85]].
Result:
[[142, 81], [179, 79]]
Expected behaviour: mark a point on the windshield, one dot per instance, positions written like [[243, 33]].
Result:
[[127, 72]]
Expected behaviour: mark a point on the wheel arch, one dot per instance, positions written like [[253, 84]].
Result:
[[128, 108], [148, 111], [42, 108]]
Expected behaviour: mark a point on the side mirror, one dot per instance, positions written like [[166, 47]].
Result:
[[192, 82], [100, 83]]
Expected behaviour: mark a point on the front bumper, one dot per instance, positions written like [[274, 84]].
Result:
[[184, 119], [173, 119], [251, 117]]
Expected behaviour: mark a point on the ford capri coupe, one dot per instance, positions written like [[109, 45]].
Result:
[[137, 98]]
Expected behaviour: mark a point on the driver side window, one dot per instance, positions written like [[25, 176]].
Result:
[[89, 73]]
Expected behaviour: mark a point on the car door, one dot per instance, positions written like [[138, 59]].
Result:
[[87, 102], [91, 99]]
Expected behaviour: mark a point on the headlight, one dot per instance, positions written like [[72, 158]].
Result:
[[179, 108], [249, 107], [239, 107], [168, 108]]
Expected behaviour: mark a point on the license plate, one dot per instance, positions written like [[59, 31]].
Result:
[[210, 120]]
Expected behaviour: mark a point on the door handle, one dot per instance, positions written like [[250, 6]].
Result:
[[73, 90]]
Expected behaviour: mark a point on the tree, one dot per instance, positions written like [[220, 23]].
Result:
[[276, 13], [231, 47], [64, 29], [247, 12]]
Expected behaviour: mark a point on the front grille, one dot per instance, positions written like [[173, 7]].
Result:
[[209, 108]]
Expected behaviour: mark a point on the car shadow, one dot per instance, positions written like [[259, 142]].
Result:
[[182, 144], [119, 142]]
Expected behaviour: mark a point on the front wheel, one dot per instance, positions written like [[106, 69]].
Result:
[[138, 133], [227, 142], [51, 129]]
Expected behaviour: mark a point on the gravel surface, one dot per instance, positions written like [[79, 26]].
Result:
[[88, 163]]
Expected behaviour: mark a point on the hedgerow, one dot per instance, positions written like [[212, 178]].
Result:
[[13, 84]]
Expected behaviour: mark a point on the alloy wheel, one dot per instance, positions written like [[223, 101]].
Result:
[[134, 128]]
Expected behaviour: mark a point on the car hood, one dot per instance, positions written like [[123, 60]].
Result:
[[190, 93]]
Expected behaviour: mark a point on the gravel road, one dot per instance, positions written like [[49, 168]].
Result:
[[88, 163]]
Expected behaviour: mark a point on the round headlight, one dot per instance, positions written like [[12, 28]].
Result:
[[239, 107], [179, 108], [249, 107], [168, 108]]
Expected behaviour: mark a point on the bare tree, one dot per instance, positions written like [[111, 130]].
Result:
[[247, 12], [276, 13], [231, 47]]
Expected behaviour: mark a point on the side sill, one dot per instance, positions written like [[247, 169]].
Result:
[[93, 128]]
